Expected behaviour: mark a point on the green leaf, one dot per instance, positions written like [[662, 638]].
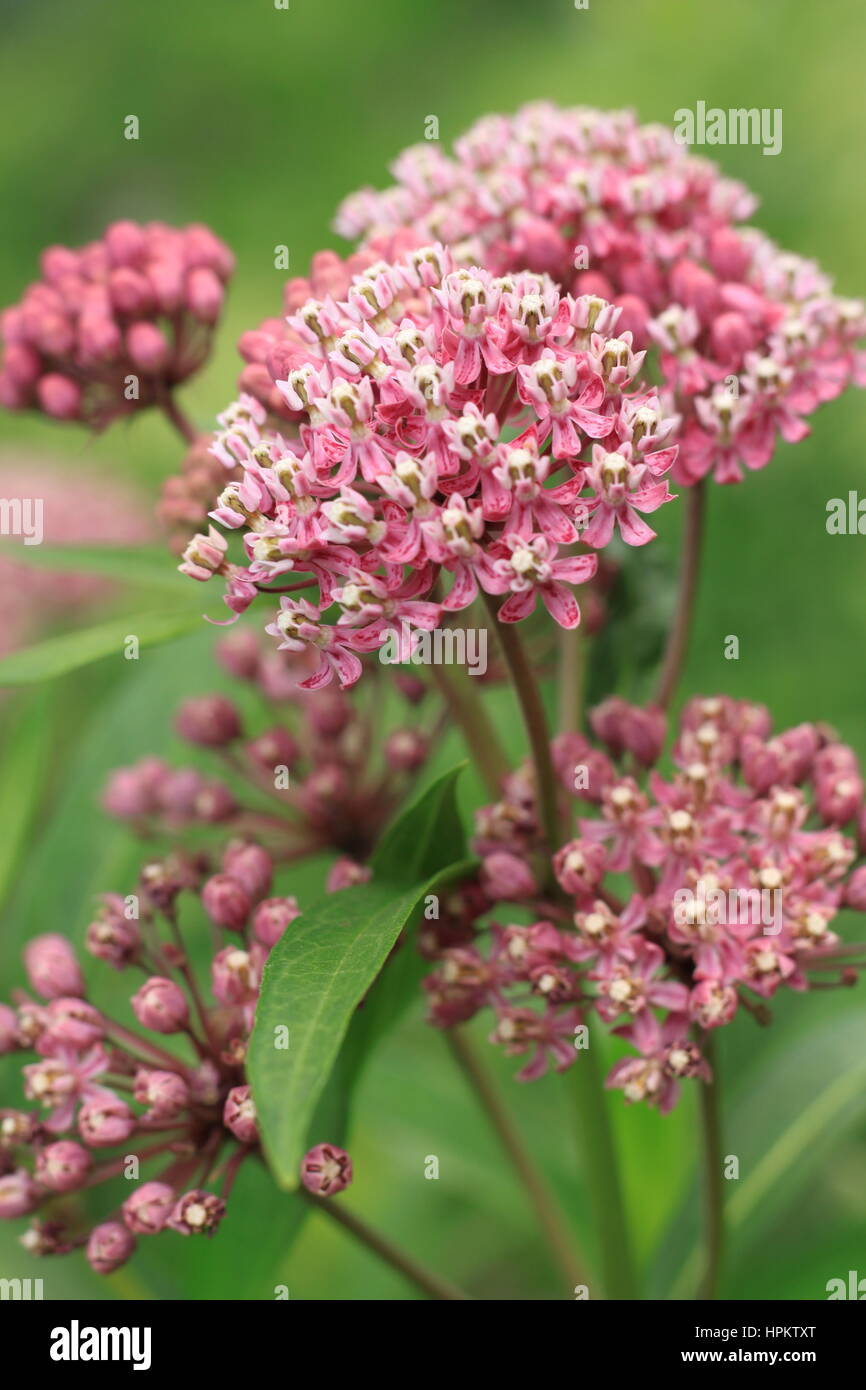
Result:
[[425, 836], [314, 980], [143, 565], [28, 744], [58, 655]]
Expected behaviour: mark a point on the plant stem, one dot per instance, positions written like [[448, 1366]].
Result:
[[429, 1284], [551, 1218], [714, 1201], [535, 720], [675, 651], [468, 712], [603, 1177], [178, 419], [599, 1150], [571, 675]]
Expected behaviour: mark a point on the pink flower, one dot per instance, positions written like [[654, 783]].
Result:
[[524, 567]]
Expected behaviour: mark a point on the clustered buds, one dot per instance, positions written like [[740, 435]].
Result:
[[750, 338], [112, 327], [190, 1109], [323, 776], [736, 867]]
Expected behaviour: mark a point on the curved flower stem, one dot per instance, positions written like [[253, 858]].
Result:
[[178, 419], [429, 1284], [713, 1196], [535, 720], [603, 1178], [468, 712], [551, 1218], [675, 651]]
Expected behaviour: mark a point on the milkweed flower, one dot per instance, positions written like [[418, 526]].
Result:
[[736, 867], [441, 418], [750, 339]]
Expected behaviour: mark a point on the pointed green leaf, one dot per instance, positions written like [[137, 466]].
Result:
[[58, 655], [315, 978]]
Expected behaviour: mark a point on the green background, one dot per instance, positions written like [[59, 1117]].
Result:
[[258, 121]]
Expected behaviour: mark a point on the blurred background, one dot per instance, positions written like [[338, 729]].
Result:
[[258, 120]]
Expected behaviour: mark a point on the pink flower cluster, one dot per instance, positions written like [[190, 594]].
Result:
[[736, 866], [112, 327], [454, 428], [751, 339], [101, 1093]]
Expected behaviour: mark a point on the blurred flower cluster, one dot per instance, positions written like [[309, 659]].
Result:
[[112, 327]]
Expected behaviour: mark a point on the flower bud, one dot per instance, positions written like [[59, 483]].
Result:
[[130, 292], [71, 1023], [345, 873], [250, 865], [272, 749], [239, 1114], [125, 243], [112, 937], [855, 890], [204, 294], [226, 902], [234, 976], [52, 968], [59, 396], [18, 1194], [197, 1213], [326, 1170], [211, 721], [271, 918], [63, 1166], [504, 876], [105, 1121], [406, 750], [161, 1005], [147, 1209], [147, 346], [164, 1093], [109, 1246]]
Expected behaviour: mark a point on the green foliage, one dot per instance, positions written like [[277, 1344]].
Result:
[[325, 964]]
